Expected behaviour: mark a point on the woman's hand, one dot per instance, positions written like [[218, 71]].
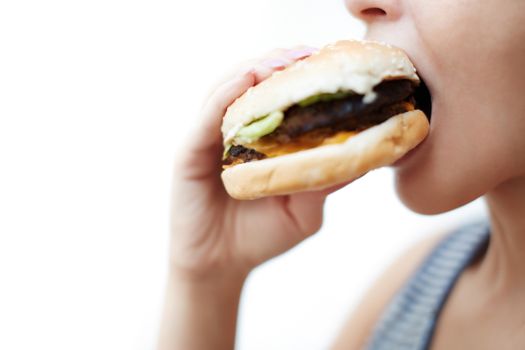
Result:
[[212, 233], [217, 240]]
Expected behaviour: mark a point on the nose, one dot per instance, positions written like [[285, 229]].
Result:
[[374, 10]]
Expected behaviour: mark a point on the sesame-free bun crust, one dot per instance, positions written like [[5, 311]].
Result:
[[348, 65], [325, 166]]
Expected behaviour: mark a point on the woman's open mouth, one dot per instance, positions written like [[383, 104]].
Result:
[[423, 99]]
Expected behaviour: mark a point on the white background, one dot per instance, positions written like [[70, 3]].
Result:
[[95, 98]]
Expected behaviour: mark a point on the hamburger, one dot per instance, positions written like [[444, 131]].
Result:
[[324, 120]]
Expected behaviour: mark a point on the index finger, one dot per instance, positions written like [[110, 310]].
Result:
[[204, 143]]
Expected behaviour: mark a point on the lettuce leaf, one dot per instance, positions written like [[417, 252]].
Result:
[[260, 127]]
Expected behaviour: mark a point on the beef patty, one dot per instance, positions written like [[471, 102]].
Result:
[[326, 118]]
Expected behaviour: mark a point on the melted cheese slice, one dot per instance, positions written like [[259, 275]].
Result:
[[301, 143], [271, 148]]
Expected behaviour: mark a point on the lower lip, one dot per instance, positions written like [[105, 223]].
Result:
[[410, 154], [406, 158]]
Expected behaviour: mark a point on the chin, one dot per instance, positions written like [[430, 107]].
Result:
[[420, 198], [426, 191]]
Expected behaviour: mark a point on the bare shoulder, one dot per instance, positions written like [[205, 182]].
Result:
[[358, 327]]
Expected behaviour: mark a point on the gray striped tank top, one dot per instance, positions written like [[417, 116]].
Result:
[[409, 320]]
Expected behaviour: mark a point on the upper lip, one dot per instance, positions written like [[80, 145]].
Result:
[[422, 94]]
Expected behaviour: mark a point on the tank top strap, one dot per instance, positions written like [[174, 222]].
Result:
[[409, 320]]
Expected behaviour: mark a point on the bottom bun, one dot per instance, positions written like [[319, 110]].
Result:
[[325, 166]]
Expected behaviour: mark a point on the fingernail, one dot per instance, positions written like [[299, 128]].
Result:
[[274, 63], [302, 53]]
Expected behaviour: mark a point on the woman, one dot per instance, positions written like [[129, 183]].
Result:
[[470, 54]]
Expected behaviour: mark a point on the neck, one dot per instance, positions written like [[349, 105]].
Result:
[[505, 258]]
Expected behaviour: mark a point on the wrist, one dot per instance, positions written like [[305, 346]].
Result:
[[207, 270], [195, 306], [212, 281]]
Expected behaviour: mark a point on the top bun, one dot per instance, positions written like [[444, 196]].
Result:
[[352, 65]]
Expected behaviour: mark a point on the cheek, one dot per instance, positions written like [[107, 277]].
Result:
[[466, 155], [478, 126]]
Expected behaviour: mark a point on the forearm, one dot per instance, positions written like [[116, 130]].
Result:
[[200, 314]]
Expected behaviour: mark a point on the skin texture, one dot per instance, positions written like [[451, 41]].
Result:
[[470, 53]]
